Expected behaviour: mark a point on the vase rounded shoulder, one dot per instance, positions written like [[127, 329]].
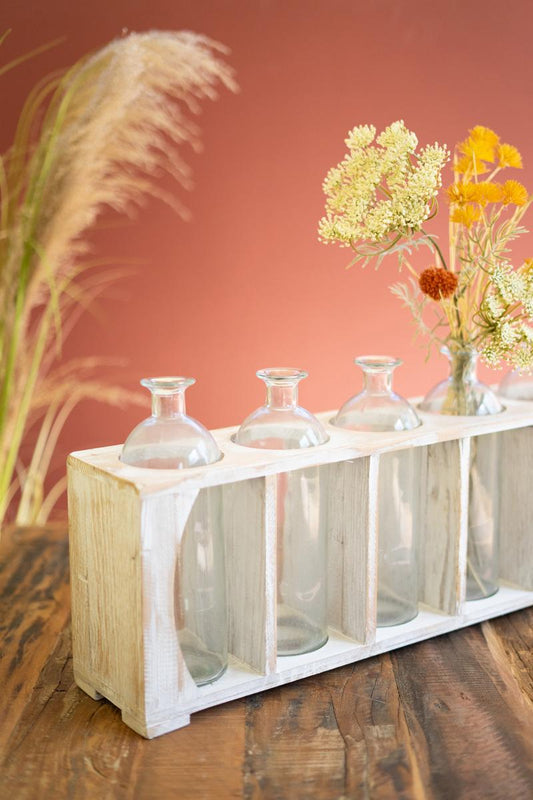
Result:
[[461, 393]]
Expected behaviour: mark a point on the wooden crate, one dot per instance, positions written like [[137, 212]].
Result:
[[126, 525]]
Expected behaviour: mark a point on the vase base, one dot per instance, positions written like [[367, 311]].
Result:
[[296, 635], [474, 592]]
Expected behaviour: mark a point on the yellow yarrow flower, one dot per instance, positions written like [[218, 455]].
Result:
[[486, 192], [477, 150], [509, 156], [466, 215], [467, 164], [513, 192], [461, 193], [482, 134]]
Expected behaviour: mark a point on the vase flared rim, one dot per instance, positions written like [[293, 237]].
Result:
[[281, 374], [377, 362], [167, 384]]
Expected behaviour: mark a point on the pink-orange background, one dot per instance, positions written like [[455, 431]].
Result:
[[246, 284]]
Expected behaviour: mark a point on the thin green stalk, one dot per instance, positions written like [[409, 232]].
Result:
[[6, 471]]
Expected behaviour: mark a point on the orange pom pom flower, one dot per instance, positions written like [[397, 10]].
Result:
[[437, 283]]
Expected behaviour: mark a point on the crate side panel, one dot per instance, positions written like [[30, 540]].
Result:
[[105, 563], [250, 533], [516, 507], [441, 513], [351, 579], [168, 681]]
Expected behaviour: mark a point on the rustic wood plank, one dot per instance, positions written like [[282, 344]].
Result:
[[167, 680], [351, 569], [339, 735], [516, 518], [442, 560], [106, 575], [34, 608], [249, 530], [240, 463], [465, 707], [448, 718]]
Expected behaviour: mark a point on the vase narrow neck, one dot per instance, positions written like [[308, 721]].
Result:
[[282, 395], [166, 406], [463, 365], [377, 382]]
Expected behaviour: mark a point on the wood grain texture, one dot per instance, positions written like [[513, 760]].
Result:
[[105, 535], [249, 531], [241, 463], [446, 719], [351, 571], [516, 518], [441, 498], [167, 681]]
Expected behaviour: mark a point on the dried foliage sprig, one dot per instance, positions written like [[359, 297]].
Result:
[[100, 135], [378, 200]]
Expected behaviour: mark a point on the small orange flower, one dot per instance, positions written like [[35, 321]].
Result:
[[437, 283], [466, 215], [514, 193], [508, 156], [527, 267]]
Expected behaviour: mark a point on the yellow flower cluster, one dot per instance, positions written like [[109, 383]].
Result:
[[469, 196], [483, 147], [380, 189]]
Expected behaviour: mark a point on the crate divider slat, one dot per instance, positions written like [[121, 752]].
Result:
[[126, 526]]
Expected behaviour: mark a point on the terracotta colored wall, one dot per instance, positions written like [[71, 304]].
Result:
[[246, 284]]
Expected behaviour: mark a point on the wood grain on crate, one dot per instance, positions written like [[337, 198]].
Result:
[[447, 718], [240, 463]]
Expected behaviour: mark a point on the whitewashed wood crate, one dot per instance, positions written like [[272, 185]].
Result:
[[125, 526]]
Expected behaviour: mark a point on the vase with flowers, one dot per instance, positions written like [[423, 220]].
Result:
[[473, 303]]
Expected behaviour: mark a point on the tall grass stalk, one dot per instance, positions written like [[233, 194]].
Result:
[[98, 136]]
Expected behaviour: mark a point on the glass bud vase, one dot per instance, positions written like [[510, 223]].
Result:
[[462, 394], [379, 408], [517, 386], [301, 513], [170, 439]]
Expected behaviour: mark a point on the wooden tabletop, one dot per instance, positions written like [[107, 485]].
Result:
[[449, 718]]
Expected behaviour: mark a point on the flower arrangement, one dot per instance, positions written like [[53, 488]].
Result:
[[385, 190], [98, 136]]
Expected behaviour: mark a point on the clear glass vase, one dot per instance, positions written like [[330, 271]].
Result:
[[379, 408], [462, 394], [170, 439], [301, 513], [517, 386]]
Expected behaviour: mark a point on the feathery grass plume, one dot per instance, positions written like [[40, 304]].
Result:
[[100, 135]]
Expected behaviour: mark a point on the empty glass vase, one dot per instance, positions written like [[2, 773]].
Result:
[[301, 513], [170, 439], [378, 408], [517, 386]]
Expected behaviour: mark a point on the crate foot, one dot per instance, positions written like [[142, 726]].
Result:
[[152, 729], [87, 688]]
